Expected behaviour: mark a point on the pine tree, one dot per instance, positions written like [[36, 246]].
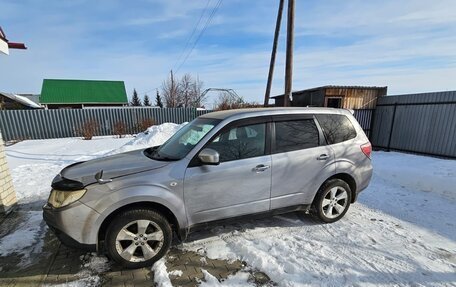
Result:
[[146, 101], [135, 100], [158, 100]]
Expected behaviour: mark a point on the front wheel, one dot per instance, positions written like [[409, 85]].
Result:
[[138, 238], [332, 200]]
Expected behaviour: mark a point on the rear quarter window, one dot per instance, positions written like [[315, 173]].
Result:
[[336, 128]]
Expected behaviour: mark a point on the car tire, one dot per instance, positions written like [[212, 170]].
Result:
[[138, 238], [332, 200]]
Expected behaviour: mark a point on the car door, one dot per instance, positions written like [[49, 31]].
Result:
[[300, 158], [240, 184]]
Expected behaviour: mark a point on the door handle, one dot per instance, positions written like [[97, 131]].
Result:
[[260, 168], [323, 157]]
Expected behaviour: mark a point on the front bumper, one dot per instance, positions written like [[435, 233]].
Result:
[[73, 224]]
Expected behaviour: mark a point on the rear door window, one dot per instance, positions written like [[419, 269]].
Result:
[[336, 128], [295, 135]]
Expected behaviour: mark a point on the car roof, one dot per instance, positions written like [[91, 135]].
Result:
[[254, 112]]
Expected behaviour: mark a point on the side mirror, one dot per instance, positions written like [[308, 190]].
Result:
[[209, 156]]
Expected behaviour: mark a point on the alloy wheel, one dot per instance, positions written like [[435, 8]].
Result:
[[139, 240], [334, 202]]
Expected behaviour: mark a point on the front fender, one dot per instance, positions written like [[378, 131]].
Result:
[[136, 194]]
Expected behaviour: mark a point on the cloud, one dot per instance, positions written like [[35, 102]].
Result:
[[408, 45]]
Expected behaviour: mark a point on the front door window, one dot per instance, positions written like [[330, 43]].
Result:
[[240, 142]]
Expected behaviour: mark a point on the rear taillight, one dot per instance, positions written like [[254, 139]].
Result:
[[367, 149]]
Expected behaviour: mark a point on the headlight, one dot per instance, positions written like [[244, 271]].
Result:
[[60, 198]]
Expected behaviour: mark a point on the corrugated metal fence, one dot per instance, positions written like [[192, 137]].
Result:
[[420, 123], [44, 124], [364, 117]]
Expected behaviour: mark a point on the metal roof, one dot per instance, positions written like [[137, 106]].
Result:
[[22, 100], [335, 87], [83, 92]]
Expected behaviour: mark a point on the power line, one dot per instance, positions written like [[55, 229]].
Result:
[[208, 21], [193, 33]]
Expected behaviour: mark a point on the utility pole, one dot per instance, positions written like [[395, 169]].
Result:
[[289, 55], [273, 54]]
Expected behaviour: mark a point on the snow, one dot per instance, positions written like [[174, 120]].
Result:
[[89, 274], [238, 279], [153, 136], [177, 273], [418, 172], [400, 232], [161, 277], [83, 282], [26, 238], [23, 100], [35, 163]]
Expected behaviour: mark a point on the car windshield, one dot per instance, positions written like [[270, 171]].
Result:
[[184, 140]]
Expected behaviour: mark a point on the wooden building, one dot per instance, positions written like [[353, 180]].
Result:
[[347, 97]]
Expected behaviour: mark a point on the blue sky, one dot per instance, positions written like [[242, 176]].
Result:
[[409, 46]]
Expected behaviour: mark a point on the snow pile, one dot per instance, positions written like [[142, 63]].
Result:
[[26, 239], [161, 277], [34, 163], [30, 187], [239, 279], [153, 136]]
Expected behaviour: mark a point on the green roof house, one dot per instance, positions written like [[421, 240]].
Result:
[[77, 94]]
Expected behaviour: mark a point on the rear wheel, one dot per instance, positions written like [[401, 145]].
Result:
[[332, 200], [138, 238]]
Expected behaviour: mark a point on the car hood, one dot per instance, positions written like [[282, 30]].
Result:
[[112, 166]]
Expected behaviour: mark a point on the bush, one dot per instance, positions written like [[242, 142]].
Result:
[[88, 129], [144, 124], [228, 101], [119, 129]]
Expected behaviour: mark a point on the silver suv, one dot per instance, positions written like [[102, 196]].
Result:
[[220, 166]]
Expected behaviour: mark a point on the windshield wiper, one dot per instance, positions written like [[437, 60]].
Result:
[[154, 154]]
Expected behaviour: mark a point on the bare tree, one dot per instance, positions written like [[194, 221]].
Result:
[[197, 99], [170, 92], [185, 90], [190, 90]]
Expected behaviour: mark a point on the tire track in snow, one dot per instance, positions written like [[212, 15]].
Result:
[[369, 258]]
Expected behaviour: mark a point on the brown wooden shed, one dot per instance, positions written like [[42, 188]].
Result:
[[347, 97]]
